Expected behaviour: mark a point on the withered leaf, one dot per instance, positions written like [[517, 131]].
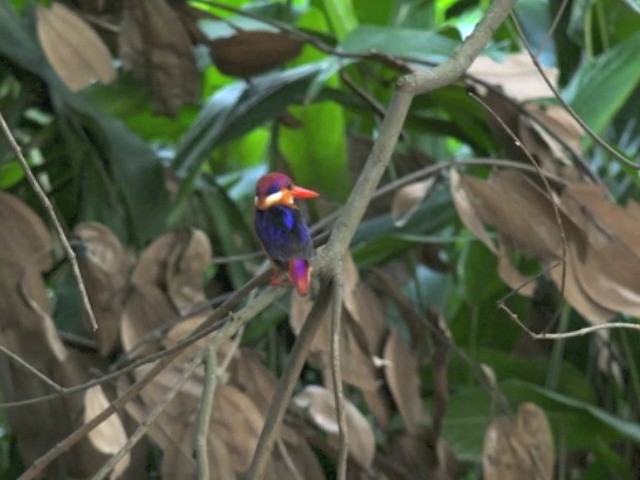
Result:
[[186, 264], [407, 200], [147, 308], [318, 404], [104, 264], [249, 53], [515, 74], [24, 238], [237, 422], [403, 380], [154, 44], [522, 449], [73, 48], [466, 211], [108, 437]]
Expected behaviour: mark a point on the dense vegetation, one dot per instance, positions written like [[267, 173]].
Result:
[[499, 216]]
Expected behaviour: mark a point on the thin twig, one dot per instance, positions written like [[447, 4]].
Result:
[[153, 415], [420, 82], [204, 414], [547, 186], [287, 383], [60, 391], [54, 219], [594, 136], [230, 328], [336, 371]]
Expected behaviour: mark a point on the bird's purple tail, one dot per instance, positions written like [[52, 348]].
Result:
[[300, 274]]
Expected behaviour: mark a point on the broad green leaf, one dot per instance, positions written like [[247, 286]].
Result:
[[132, 162], [378, 240], [423, 44], [600, 88], [316, 149], [575, 424], [232, 112], [373, 13], [10, 174], [341, 15]]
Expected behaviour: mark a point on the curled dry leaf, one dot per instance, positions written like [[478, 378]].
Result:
[[186, 264], [407, 200], [516, 75], [73, 48], [175, 263], [108, 437], [147, 309], [357, 363], [236, 420], [154, 43], [249, 53], [522, 449], [24, 238], [404, 381], [104, 264], [318, 404], [466, 210]]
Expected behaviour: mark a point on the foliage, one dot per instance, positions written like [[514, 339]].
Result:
[[154, 175]]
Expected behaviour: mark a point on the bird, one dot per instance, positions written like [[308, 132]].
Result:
[[282, 230]]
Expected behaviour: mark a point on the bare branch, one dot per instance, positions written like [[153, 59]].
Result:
[[153, 415], [204, 414], [54, 219], [336, 371], [594, 136], [287, 383]]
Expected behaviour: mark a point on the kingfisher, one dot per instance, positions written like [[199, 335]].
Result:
[[283, 232]]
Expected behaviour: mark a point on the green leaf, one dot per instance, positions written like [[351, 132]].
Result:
[[427, 45], [600, 88], [341, 15]]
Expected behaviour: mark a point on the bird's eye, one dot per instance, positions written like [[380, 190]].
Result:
[[289, 186]]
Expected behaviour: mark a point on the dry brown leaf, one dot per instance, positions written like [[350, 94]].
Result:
[[407, 200], [147, 308], [516, 75], [608, 266], [319, 406], [108, 437], [369, 317], [73, 48], [152, 263], [236, 420], [24, 238], [249, 53], [554, 153], [403, 381], [572, 290], [294, 459], [521, 450], [104, 264], [190, 256], [154, 44], [466, 211], [249, 375]]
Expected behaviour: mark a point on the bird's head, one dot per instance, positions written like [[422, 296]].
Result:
[[278, 189]]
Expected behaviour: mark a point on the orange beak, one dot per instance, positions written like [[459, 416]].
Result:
[[299, 192]]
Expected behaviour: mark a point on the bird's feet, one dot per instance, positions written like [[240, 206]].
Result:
[[276, 279]]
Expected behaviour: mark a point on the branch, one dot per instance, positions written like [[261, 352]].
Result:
[[204, 415], [153, 415], [408, 86], [594, 136], [287, 382], [54, 219], [336, 371]]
